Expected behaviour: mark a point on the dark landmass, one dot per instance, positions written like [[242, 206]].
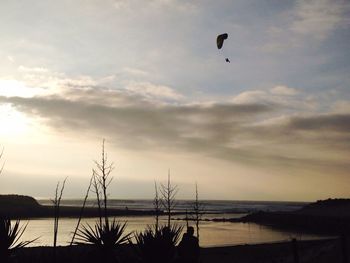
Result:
[[320, 251], [19, 206], [331, 216]]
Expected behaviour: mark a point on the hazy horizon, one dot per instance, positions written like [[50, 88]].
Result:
[[273, 124]]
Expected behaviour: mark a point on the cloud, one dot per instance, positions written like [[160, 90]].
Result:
[[278, 95], [33, 69], [130, 120], [135, 71], [251, 96], [237, 132], [341, 106], [309, 21], [11, 59], [150, 91], [174, 4], [330, 123], [319, 18], [283, 90]]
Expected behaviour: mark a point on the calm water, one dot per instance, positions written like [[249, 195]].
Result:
[[211, 233]]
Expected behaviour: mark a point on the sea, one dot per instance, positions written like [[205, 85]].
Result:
[[212, 233]]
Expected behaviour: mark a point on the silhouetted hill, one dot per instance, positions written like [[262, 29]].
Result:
[[20, 206], [13, 205], [331, 216], [17, 200], [329, 207]]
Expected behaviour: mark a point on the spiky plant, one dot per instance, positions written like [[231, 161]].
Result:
[[10, 234], [157, 244], [102, 235]]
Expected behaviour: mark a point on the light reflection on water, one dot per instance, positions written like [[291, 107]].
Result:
[[211, 233]]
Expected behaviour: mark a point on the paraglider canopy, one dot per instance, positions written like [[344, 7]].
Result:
[[220, 40]]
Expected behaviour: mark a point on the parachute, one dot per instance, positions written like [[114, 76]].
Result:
[[220, 40]]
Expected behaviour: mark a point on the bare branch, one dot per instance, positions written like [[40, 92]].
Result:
[[57, 202], [198, 210], [102, 180], [2, 166], [168, 200], [82, 208]]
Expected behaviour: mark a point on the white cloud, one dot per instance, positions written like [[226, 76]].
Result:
[[33, 69], [251, 96], [317, 18], [10, 58], [308, 20], [135, 71], [152, 91], [12, 88], [283, 90], [280, 94], [341, 106]]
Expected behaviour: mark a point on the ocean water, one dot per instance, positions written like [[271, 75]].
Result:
[[210, 206], [211, 233]]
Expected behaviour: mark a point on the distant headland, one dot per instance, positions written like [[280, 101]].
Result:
[[330, 216], [21, 206]]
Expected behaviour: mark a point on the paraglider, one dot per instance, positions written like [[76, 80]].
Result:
[[220, 42]]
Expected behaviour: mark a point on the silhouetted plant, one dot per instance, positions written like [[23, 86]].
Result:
[[57, 202], [102, 181], [168, 201], [198, 211], [10, 235], [105, 236], [2, 166], [158, 244], [156, 205], [82, 209], [97, 191]]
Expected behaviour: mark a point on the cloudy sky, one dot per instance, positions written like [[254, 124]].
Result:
[[274, 124]]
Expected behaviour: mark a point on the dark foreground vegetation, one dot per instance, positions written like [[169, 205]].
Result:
[[318, 251]]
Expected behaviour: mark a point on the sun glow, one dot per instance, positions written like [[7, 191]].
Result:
[[14, 88], [12, 122]]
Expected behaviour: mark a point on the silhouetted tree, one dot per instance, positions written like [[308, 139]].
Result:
[[168, 200], [105, 235], [97, 191], [2, 166], [102, 175], [156, 204], [56, 202], [198, 210]]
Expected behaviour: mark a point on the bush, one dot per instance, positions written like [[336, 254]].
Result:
[[107, 236], [10, 235], [158, 244]]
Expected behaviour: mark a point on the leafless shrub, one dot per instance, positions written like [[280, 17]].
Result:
[[168, 200]]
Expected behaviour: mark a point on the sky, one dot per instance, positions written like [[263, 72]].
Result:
[[146, 76]]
